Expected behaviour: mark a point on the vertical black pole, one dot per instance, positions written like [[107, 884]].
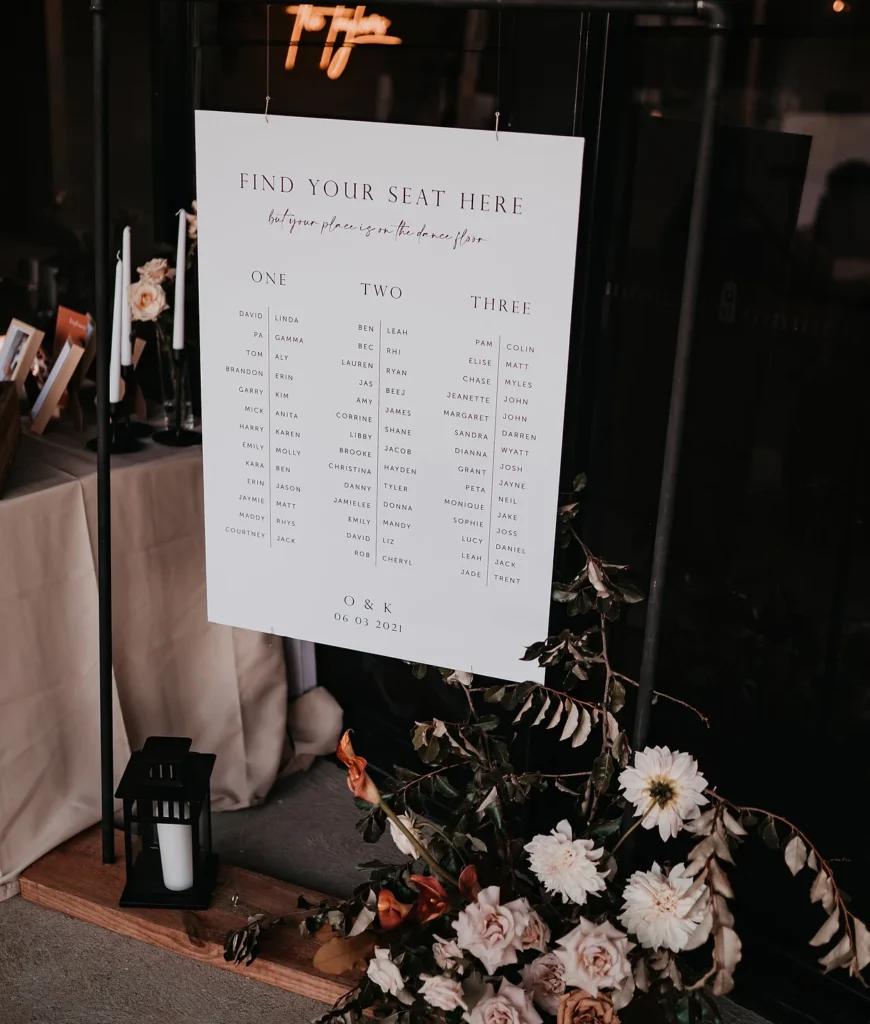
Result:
[[676, 415], [104, 342]]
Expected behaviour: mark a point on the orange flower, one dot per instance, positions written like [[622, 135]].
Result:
[[433, 900], [391, 913], [358, 781], [579, 1007], [468, 883]]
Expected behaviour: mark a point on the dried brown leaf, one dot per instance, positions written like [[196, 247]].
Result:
[[728, 949], [525, 707], [822, 891], [839, 955], [719, 880], [581, 733], [557, 714], [795, 854], [862, 943], [828, 929], [363, 919], [612, 727], [571, 721], [543, 711], [703, 825], [720, 842], [723, 983], [340, 955], [733, 825], [701, 934], [723, 911]]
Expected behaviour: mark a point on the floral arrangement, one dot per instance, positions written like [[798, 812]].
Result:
[[483, 924], [147, 296]]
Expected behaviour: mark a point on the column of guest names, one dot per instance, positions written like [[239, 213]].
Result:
[[264, 381], [514, 448], [287, 424], [374, 468], [353, 465], [248, 380], [490, 411]]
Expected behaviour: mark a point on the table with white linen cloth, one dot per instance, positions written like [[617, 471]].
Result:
[[175, 673]]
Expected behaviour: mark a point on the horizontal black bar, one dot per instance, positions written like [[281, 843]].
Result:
[[711, 11]]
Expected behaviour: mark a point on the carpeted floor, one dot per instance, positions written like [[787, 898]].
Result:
[[54, 970]]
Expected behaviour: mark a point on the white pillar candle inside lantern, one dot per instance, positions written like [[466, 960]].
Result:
[[176, 849]]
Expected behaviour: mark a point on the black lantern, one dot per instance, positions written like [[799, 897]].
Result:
[[167, 816]]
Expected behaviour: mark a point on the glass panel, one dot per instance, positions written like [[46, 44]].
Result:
[[767, 626]]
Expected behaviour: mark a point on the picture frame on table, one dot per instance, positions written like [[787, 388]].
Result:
[[58, 380], [78, 328], [17, 352]]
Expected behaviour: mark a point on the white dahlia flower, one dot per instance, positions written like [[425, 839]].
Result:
[[566, 865], [659, 909], [665, 787]]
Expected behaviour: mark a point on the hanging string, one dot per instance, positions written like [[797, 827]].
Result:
[[498, 77], [577, 79], [268, 54]]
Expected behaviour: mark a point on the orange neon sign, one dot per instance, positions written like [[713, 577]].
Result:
[[357, 26]]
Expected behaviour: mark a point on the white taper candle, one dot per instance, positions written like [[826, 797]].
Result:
[[126, 318], [117, 320], [180, 262], [176, 851]]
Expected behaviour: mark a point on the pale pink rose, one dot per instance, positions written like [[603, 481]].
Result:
[[595, 956], [490, 931], [512, 1005], [442, 992], [448, 955], [147, 300], [533, 931], [544, 980], [156, 270]]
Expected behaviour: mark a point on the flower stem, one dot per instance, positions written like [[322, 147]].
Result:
[[639, 822], [418, 846]]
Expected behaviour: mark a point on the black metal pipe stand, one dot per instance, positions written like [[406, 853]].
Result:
[[104, 440], [177, 436]]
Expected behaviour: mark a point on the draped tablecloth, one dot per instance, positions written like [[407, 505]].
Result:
[[175, 673]]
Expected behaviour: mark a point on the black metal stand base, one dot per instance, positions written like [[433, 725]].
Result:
[[126, 444], [122, 440], [138, 429], [177, 438]]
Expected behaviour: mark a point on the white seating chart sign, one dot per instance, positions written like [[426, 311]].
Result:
[[385, 314]]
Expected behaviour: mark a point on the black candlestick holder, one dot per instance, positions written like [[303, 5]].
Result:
[[177, 436], [121, 438], [137, 429]]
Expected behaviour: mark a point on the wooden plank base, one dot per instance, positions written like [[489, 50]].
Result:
[[73, 880]]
